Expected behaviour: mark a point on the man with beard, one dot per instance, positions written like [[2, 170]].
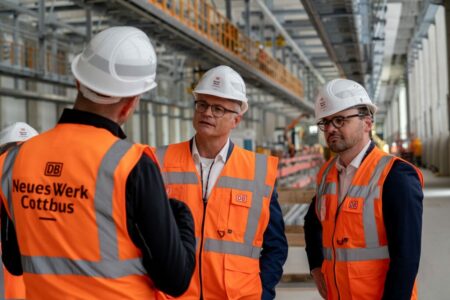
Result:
[[239, 228], [363, 228]]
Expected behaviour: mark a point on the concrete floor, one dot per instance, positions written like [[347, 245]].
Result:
[[434, 272]]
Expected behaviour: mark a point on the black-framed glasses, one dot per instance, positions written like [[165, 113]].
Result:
[[218, 111], [337, 121]]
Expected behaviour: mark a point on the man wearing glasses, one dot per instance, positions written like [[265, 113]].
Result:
[[241, 245], [363, 228]]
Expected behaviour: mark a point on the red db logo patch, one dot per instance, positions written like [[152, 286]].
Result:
[[241, 198], [353, 204], [53, 169]]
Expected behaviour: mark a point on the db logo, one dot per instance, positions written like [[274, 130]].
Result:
[[353, 204], [53, 169], [241, 198]]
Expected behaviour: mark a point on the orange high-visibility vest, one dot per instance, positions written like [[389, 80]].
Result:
[[11, 287], [356, 256], [65, 193], [229, 227]]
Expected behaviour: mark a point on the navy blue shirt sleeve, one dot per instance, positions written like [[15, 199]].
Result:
[[313, 237], [402, 211], [275, 250], [162, 229], [10, 248]]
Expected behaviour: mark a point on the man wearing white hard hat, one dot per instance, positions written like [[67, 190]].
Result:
[[12, 287], [363, 228], [239, 228], [89, 208]]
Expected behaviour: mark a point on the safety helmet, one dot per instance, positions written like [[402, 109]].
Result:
[[17, 132], [223, 82], [341, 94], [118, 62]]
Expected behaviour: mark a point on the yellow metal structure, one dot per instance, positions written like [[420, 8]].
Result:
[[204, 19]]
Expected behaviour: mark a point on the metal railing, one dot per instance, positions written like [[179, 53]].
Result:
[[26, 57], [204, 19]]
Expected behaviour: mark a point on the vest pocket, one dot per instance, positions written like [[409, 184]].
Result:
[[242, 279], [366, 278], [240, 204]]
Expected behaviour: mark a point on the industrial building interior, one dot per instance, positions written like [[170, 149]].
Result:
[[285, 50]]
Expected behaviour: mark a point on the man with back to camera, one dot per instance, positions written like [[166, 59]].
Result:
[[363, 228], [89, 208], [12, 287], [241, 245]]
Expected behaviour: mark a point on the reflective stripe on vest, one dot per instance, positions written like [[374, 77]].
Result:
[[174, 177], [257, 187], [323, 189], [110, 265], [373, 248], [356, 254], [7, 177]]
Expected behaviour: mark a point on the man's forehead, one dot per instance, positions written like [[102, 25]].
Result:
[[214, 99], [343, 113]]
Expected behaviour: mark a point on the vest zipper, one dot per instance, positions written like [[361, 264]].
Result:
[[334, 249], [205, 202]]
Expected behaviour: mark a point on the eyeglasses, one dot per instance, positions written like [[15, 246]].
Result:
[[337, 122], [218, 111]]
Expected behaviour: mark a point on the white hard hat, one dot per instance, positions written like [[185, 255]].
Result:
[[17, 132], [223, 82], [340, 94], [118, 62]]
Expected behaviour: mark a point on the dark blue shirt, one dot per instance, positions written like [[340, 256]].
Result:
[[275, 250], [402, 212]]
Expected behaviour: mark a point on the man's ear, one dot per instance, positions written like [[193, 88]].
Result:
[[128, 106], [369, 123], [237, 120]]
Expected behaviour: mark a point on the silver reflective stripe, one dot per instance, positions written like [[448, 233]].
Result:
[[104, 187], [174, 177], [369, 193], [321, 188], [327, 253], [241, 184], [65, 266], [197, 242], [161, 154], [228, 247], [109, 265], [180, 178], [258, 195], [121, 69], [357, 254], [330, 189], [8, 165]]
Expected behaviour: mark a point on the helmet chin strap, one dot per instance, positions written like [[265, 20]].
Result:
[[88, 94]]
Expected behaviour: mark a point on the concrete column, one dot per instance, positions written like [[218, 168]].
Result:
[[174, 124], [228, 9], [447, 22], [162, 125]]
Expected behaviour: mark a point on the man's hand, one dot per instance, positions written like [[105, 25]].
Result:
[[319, 280]]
